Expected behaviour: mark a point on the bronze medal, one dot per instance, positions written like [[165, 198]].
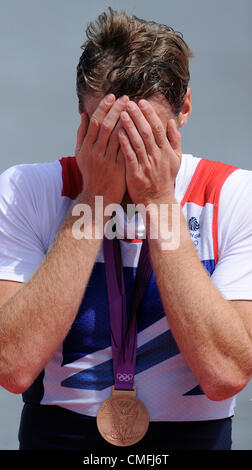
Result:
[[123, 419]]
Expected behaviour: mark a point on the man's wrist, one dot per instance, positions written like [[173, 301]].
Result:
[[165, 225], [87, 197], [90, 215]]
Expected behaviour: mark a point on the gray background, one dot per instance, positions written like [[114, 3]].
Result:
[[39, 50]]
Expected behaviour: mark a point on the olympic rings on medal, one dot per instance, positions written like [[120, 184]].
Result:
[[124, 377]]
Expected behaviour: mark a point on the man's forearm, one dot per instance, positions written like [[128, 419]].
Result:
[[208, 330], [35, 320]]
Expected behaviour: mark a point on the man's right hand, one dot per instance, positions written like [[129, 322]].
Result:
[[49, 301], [98, 155]]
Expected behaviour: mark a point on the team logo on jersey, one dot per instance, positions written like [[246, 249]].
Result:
[[193, 224], [194, 227]]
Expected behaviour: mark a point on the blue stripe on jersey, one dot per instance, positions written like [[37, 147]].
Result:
[[90, 331], [194, 391], [209, 264], [101, 376]]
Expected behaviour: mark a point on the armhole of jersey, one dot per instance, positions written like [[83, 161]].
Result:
[[71, 177], [205, 187]]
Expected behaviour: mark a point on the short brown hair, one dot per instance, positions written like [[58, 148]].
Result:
[[124, 54]]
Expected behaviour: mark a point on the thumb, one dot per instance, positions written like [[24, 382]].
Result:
[[81, 133]]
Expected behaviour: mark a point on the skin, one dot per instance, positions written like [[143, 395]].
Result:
[[36, 316], [123, 147], [163, 109], [213, 334]]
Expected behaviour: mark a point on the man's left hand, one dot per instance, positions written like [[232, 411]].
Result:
[[152, 154]]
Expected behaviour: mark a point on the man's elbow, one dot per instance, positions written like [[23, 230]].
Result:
[[222, 389], [15, 383]]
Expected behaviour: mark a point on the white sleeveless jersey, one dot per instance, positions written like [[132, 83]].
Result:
[[216, 200]]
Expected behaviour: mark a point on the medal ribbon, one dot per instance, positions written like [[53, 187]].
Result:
[[124, 328]]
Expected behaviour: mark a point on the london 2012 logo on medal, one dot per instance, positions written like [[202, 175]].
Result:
[[123, 419]]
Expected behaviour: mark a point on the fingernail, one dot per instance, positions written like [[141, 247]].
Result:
[[109, 99], [122, 133], [143, 104], [131, 106], [123, 99]]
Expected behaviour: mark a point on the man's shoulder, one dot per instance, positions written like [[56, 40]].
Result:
[[33, 190], [32, 170], [215, 173], [203, 181], [31, 178], [31, 201], [236, 189]]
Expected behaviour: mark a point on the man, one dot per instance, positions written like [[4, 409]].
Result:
[[194, 350]]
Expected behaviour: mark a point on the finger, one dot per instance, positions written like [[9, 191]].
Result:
[[98, 116], [120, 160], [142, 125], [108, 124], [113, 143], [130, 157], [154, 122], [81, 133], [174, 136], [135, 138]]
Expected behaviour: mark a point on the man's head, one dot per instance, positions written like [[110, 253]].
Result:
[[125, 55]]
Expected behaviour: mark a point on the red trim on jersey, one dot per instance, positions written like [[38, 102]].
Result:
[[205, 187], [71, 177], [129, 240]]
